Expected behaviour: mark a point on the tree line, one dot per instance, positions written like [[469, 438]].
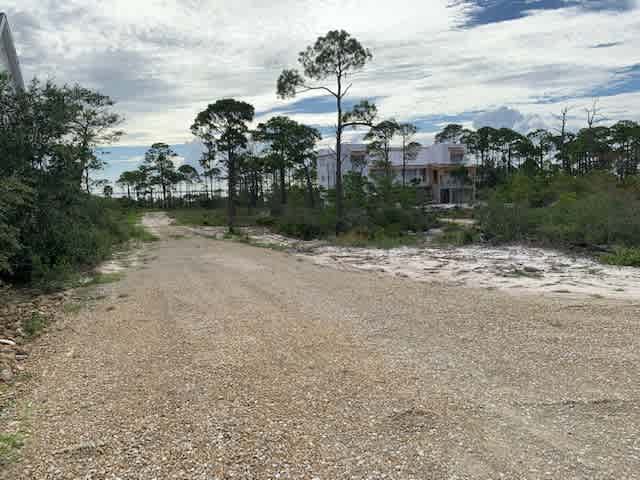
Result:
[[501, 152], [279, 154], [48, 139]]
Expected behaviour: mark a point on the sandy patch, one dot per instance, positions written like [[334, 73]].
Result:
[[516, 268]]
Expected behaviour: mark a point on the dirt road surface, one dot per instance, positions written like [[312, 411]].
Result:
[[219, 360]]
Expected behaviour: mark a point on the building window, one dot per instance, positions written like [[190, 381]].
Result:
[[456, 157], [435, 177]]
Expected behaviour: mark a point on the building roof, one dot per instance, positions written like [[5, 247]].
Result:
[[9, 59]]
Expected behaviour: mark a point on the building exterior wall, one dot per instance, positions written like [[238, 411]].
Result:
[[431, 169], [8, 57]]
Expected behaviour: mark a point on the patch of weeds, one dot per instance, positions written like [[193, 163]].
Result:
[[214, 217], [271, 246], [623, 257], [458, 235], [105, 278], [34, 324], [381, 240], [71, 308], [10, 444], [136, 230]]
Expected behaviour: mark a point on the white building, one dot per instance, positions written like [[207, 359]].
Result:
[[8, 56], [435, 168]]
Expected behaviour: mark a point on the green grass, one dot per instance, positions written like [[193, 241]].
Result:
[[199, 217], [34, 324], [269, 246], [10, 444], [627, 257], [457, 235], [104, 279], [384, 242], [133, 220], [72, 308]]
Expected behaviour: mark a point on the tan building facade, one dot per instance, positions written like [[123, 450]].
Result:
[[443, 170]]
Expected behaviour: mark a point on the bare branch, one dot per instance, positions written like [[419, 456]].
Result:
[[309, 88], [346, 90]]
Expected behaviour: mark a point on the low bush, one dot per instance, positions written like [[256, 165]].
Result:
[[57, 236], [629, 257], [214, 217], [378, 239], [34, 324], [305, 223], [10, 444], [563, 211], [458, 235]]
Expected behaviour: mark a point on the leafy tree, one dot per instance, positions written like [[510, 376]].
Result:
[[290, 145], [107, 191], [93, 125], [452, 133], [541, 142], [380, 138], [279, 134], [141, 181], [410, 148], [223, 128], [49, 223], [158, 161], [252, 168], [210, 170], [625, 142], [303, 157], [334, 56], [129, 180], [189, 175]]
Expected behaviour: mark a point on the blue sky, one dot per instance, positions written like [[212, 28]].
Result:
[[513, 63], [484, 12]]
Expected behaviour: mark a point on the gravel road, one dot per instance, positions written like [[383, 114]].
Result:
[[219, 360]]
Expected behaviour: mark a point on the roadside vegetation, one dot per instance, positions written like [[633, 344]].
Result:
[[51, 224], [557, 188], [10, 444]]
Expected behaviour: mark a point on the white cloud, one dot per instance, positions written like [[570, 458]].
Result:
[[165, 60], [133, 159], [506, 117]]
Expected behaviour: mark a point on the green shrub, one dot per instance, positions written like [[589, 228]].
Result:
[[10, 444], [623, 257], [563, 211], [305, 223], [378, 238], [266, 221], [34, 324], [458, 235], [506, 222]]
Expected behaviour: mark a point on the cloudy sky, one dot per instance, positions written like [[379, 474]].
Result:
[[513, 63]]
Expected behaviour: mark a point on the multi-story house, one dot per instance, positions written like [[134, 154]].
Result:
[[8, 56], [443, 169]]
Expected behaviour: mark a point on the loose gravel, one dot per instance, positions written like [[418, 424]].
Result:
[[219, 360]]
